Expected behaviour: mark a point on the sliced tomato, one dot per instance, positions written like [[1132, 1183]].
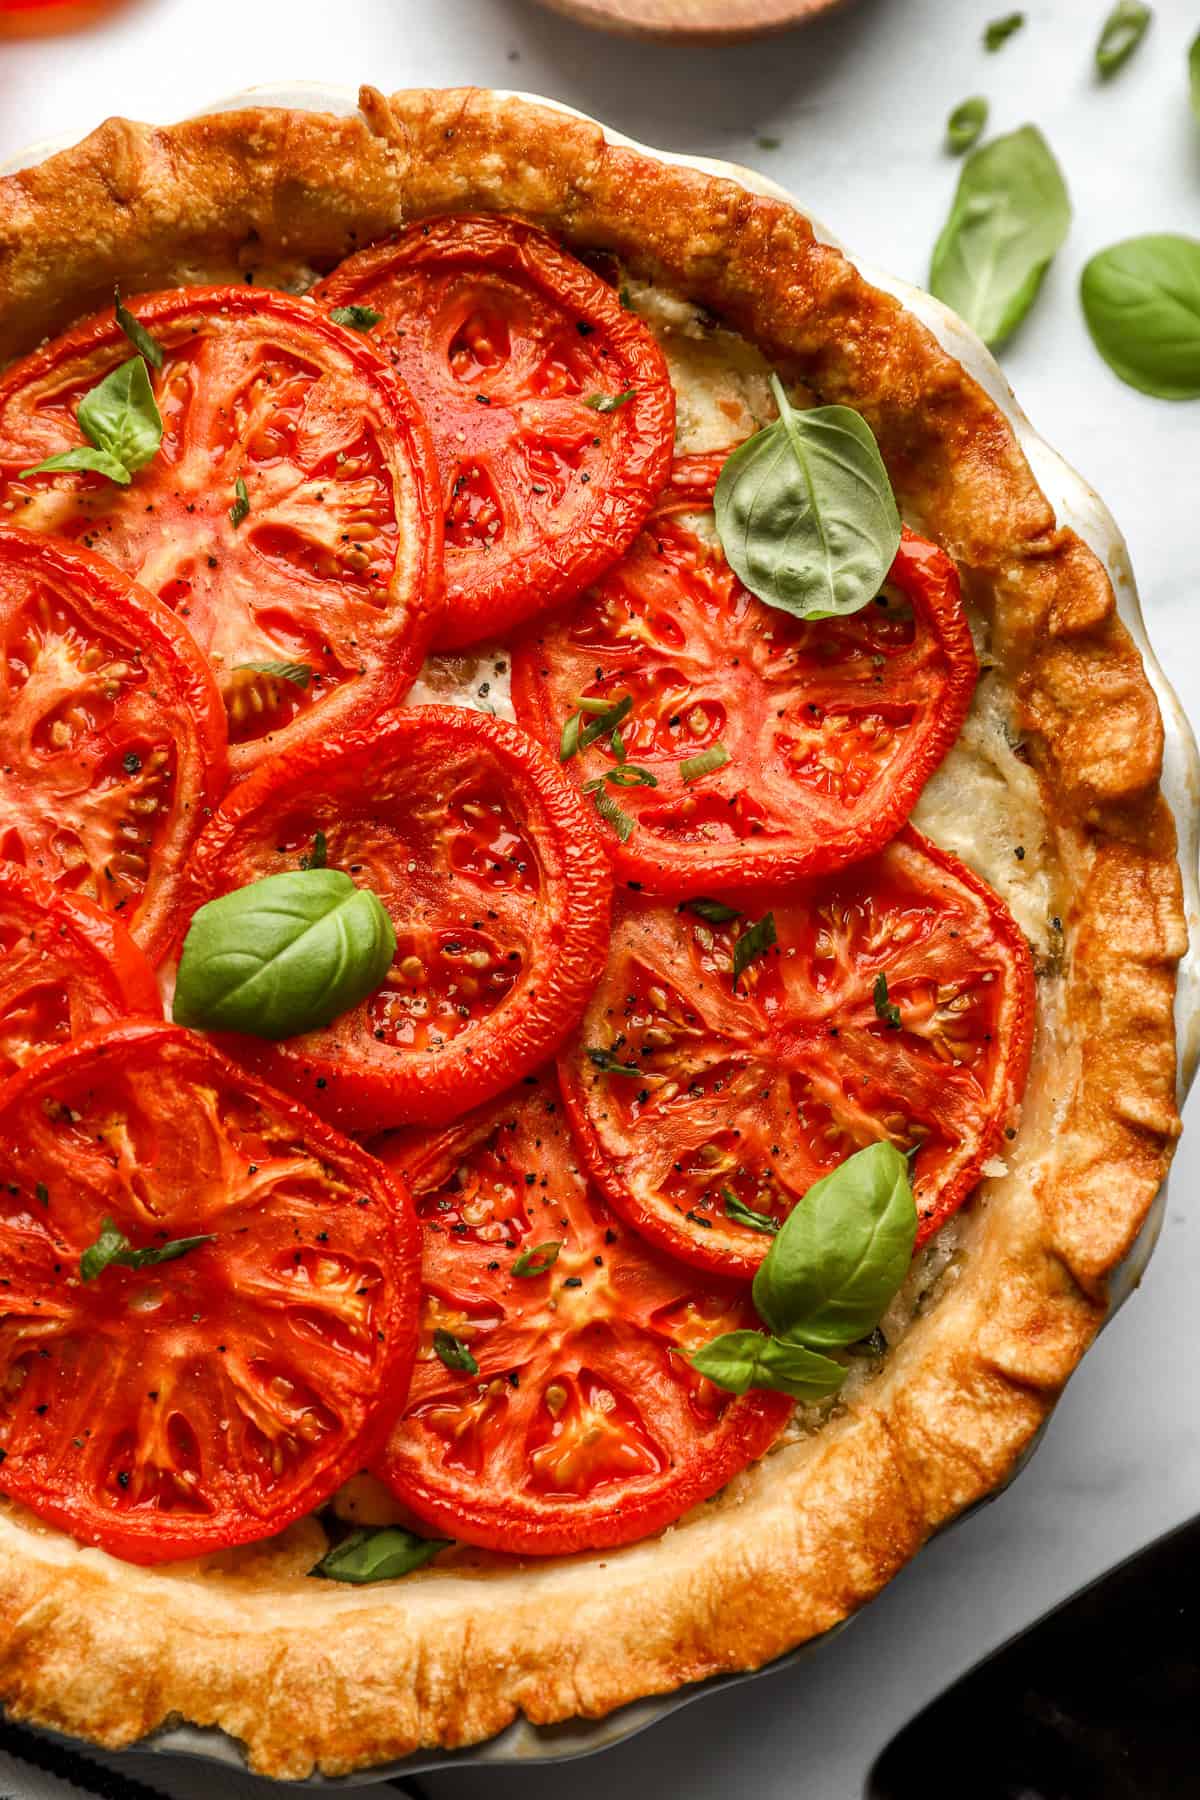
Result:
[[496, 883], [752, 1090], [112, 733], [512, 348], [65, 968], [208, 1400], [829, 727], [335, 569], [583, 1424]]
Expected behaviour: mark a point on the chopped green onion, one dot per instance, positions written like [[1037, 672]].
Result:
[[692, 767]]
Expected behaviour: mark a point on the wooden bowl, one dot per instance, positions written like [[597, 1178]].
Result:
[[691, 21]]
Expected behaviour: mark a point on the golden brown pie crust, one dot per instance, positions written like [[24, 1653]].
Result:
[[311, 1673]]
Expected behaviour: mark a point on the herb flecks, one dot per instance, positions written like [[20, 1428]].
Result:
[[754, 942], [537, 1261], [454, 1353], [113, 1248], [886, 1009], [609, 403], [358, 318]]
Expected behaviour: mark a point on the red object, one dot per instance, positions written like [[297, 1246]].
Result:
[[584, 1424], [112, 733], [758, 1090], [832, 726], [336, 566], [497, 885], [209, 1400], [504, 339], [65, 968]]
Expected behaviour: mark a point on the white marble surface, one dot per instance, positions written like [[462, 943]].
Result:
[[859, 102]]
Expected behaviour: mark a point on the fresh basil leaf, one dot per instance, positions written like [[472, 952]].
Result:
[[608, 809], [84, 456], [609, 403], [630, 775], [998, 31], [752, 943], [841, 1253], [1010, 216], [284, 955], [1141, 300], [965, 124], [137, 334], [805, 511], [378, 1554], [714, 911], [358, 318], [112, 1246], [1194, 73], [299, 673], [1120, 35], [740, 1360], [605, 1060], [454, 1353], [741, 1214], [318, 856], [538, 1260], [885, 1009], [241, 506], [693, 767]]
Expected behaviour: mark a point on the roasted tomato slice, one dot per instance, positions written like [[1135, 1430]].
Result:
[[551, 408], [207, 1400], [829, 727], [65, 968], [583, 1424], [497, 885], [334, 571], [754, 1089], [112, 733]]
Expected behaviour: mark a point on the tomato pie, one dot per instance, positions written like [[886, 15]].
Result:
[[587, 931]]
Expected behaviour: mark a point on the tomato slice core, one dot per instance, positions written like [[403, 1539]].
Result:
[[112, 739], [208, 1400], [757, 1090], [585, 1425], [335, 569], [550, 406], [497, 885], [830, 727]]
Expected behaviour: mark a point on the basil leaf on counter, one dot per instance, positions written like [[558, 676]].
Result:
[[741, 1214], [299, 673], [805, 512], [608, 403], [137, 334], [283, 955], [454, 1353], [841, 1253], [241, 504], [752, 944], [1010, 215], [358, 318], [885, 1009], [538, 1260], [693, 767], [112, 1246], [122, 423], [740, 1360], [965, 124], [1120, 35], [378, 1554], [1141, 300], [998, 31]]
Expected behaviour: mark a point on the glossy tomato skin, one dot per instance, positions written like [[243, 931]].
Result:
[[337, 566], [503, 338], [497, 885], [760, 1091], [208, 1401], [65, 968], [831, 726], [584, 1425], [112, 733]]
